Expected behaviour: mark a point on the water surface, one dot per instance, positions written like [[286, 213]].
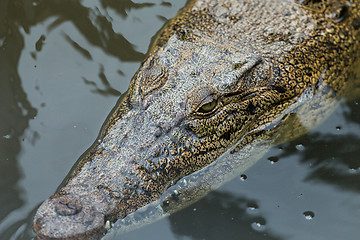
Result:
[[63, 65]]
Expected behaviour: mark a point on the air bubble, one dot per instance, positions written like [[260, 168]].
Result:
[[166, 203], [338, 128], [7, 136], [353, 170], [107, 225], [300, 147], [184, 183], [309, 215], [252, 210], [243, 177], [258, 225], [273, 159]]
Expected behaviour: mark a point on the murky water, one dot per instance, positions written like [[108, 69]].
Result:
[[63, 64]]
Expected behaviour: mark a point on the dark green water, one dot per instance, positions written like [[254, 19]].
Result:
[[63, 64]]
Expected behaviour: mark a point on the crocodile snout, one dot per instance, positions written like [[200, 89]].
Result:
[[69, 217]]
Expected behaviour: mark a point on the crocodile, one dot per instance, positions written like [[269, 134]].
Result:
[[223, 79]]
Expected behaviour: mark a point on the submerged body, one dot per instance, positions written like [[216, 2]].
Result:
[[222, 78]]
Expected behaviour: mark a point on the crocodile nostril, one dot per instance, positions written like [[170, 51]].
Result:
[[67, 206]]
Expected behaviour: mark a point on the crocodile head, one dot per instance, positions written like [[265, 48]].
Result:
[[193, 100], [188, 104]]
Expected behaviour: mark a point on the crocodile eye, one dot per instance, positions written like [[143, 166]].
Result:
[[208, 106]]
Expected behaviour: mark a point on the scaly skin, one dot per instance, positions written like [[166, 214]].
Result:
[[220, 76]]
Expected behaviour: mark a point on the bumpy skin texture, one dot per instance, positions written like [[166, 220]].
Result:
[[217, 72]]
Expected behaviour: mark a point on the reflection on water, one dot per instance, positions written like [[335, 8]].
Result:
[[63, 63], [333, 159], [332, 149], [227, 217], [96, 28], [15, 112]]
